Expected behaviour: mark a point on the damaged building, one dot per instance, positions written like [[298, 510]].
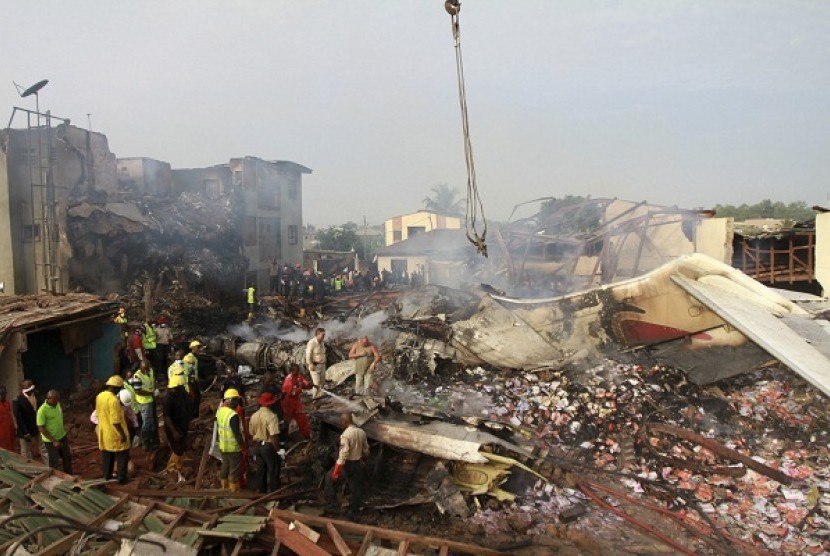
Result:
[[79, 219]]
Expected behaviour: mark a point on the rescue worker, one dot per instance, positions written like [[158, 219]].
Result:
[[53, 433], [121, 320], [133, 425], [113, 439], [272, 386], [366, 357], [144, 394], [285, 280], [177, 415], [351, 461], [191, 372], [7, 432], [25, 416], [265, 431], [292, 403], [177, 367], [250, 294], [148, 341], [230, 441], [232, 379], [315, 360]]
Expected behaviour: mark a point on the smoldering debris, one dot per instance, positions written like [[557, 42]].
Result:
[[194, 241]]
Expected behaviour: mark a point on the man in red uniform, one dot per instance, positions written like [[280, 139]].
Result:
[[7, 432], [292, 403]]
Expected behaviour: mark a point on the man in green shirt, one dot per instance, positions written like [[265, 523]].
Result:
[[50, 424]]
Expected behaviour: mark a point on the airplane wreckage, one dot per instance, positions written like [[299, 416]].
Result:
[[694, 313]]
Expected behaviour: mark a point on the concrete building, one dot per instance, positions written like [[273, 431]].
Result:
[[40, 171], [406, 226], [146, 176], [271, 194]]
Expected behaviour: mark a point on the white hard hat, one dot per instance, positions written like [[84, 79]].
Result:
[[125, 397]]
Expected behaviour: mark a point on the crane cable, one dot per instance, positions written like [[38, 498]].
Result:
[[474, 204]]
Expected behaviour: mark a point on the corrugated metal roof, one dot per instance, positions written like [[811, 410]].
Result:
[[28, 311]]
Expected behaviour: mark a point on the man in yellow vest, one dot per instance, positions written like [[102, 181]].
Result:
[[113, 440], [251, 297], [121, 320], [145, 397], [230, 440], [148, 341], [191, 373]]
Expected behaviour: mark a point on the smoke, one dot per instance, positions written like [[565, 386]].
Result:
[[354, 327]]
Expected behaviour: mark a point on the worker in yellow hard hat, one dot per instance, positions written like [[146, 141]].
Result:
[[113, 440], [177, 415], [191, 373], [230, 440]]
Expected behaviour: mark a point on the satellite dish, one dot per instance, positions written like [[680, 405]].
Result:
[[34, 88]]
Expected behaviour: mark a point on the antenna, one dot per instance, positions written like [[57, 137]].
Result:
[[33, 90]]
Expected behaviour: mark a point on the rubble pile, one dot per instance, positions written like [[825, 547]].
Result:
[[117, 238]]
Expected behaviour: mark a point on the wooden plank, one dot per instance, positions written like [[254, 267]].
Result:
[[203, 462], [403, 548], [381, 533], [193, 493], [238, 548], [294, 540], [444, 551], [364, 546], [337, 539]]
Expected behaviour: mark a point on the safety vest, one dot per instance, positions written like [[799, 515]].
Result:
[[148, 341], [251, 298], [191, 366], [148, 383], [133, 404], [178, 368], [226, 439]]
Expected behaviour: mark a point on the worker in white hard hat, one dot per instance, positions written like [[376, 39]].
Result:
[[113, 437], [230, 440]]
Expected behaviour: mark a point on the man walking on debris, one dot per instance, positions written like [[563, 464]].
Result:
[[351, 460], [265, 430], [366, 357], [145, 398], [230, 441], [53, 433], [113, 440], [25, 415], [191, 373], [177, 414], [292, 403], [315, 360], [148, 341]]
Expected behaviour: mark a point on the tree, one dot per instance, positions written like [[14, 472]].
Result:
[[346, 238], [445, 200], [796, 211]]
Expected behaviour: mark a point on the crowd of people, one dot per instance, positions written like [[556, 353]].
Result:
[[301, 283], [251, 448]]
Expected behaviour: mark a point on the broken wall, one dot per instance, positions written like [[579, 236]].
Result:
[[822, 252]]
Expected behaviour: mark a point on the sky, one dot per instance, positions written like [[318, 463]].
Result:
[[688, 103]]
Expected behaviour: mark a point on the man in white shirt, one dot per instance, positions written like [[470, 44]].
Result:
[[315, 360]]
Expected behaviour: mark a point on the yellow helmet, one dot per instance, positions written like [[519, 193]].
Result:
[[195, 344], [176, 380], [231, 393], [116, 381]]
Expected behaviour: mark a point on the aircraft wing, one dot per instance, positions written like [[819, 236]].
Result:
[[800, 342]]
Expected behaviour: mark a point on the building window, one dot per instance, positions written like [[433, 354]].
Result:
[[293, 235], [294, 191], [31, 232], [213, 188], [412, 231], [397, 235], [237, 178]]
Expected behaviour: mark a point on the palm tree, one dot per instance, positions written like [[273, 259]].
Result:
[[445, 200]]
